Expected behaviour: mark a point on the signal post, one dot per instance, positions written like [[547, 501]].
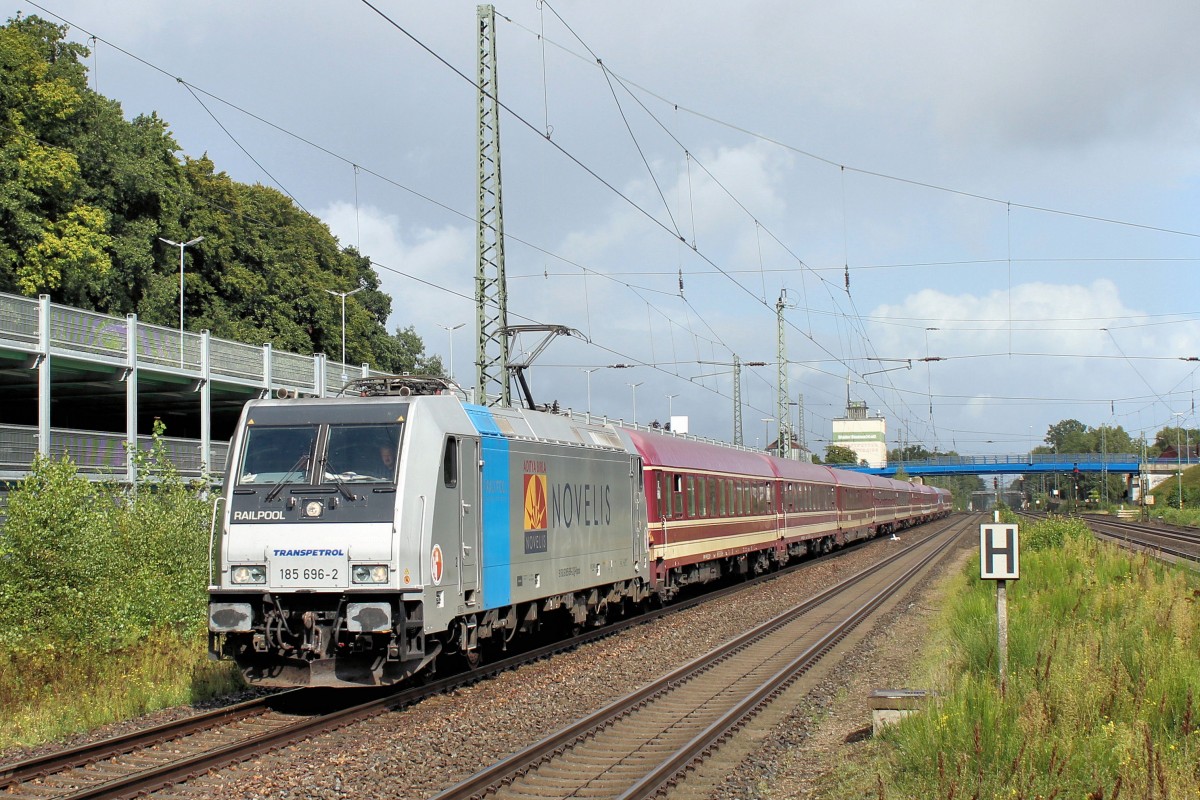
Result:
[[999, 560]]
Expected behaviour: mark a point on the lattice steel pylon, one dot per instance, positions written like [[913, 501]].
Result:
[[783, 416], [491, 292]]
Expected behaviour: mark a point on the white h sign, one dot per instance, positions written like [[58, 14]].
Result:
[[998, 553]]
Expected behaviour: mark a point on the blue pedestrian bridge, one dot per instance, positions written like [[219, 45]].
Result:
[[1023, 464]]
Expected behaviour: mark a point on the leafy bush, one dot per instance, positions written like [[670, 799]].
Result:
[[1052, 532], [87, 566]]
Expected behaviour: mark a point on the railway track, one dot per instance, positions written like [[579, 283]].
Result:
[[151, 759], [644, 742], [1175, 544], [171, 753]]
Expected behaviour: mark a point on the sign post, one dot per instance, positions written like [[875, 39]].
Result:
[[999, 560]]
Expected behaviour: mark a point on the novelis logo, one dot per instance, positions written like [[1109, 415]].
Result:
[[536, 512]]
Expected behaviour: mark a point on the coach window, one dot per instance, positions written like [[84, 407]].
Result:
[[691, 496], [677, 495], [450, 463], [702, 491]]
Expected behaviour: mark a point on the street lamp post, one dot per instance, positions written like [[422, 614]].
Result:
[[181, 246], [589, 371], [766, 432], [450, 329], [671, 407], [344, 295], [634, 386]]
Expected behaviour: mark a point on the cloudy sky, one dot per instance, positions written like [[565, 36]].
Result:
[[1011, 189]]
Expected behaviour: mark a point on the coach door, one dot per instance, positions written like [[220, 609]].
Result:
[[638, 503], [462, 478]]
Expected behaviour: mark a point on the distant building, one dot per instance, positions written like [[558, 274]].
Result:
[[866, 436], [796, 451]]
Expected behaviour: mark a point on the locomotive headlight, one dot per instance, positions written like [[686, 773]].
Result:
[[255, 573], [370, 573]]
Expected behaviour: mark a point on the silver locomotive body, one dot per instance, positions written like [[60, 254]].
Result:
[[335, 567]]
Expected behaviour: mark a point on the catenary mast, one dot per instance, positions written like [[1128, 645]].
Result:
[[783, 416], [491, 293]]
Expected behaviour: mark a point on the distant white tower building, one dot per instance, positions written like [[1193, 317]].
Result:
[[866, 436]]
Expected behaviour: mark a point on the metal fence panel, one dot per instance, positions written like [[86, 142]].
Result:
[[19, 319], [292, 370], [88, 332], [236, 360]]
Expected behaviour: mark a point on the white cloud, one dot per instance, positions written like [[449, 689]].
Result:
[[408, 262], [1029, 358]]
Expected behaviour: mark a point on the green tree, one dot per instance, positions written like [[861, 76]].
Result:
[[407, 355], [1068, 436], [838, 454], [1175, 439], [911, 452], [50, 236]]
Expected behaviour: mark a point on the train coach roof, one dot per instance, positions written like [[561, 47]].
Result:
[[804, 471], [664, 450]]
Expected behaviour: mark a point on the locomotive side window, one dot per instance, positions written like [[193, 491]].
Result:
[[450, 463], [277, 454]]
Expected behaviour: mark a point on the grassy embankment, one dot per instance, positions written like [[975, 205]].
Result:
[[1166, 499], [1103, 693], [102, 601]]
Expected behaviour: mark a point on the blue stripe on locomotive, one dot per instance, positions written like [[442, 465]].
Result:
[[495, 563]]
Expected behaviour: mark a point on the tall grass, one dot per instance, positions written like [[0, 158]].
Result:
[[102, 600], [1103, 692], [57, 693], [1178, 516]]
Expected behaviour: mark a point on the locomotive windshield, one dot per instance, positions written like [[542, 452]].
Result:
[[278, 454], [285, 454], [361, 453]]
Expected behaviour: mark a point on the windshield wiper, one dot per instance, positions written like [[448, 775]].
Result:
[[333, 476], [279, 486]]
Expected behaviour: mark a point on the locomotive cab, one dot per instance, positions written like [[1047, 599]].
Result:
[[307, 588]]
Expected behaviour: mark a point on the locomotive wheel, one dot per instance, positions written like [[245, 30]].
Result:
[[472, 658]]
